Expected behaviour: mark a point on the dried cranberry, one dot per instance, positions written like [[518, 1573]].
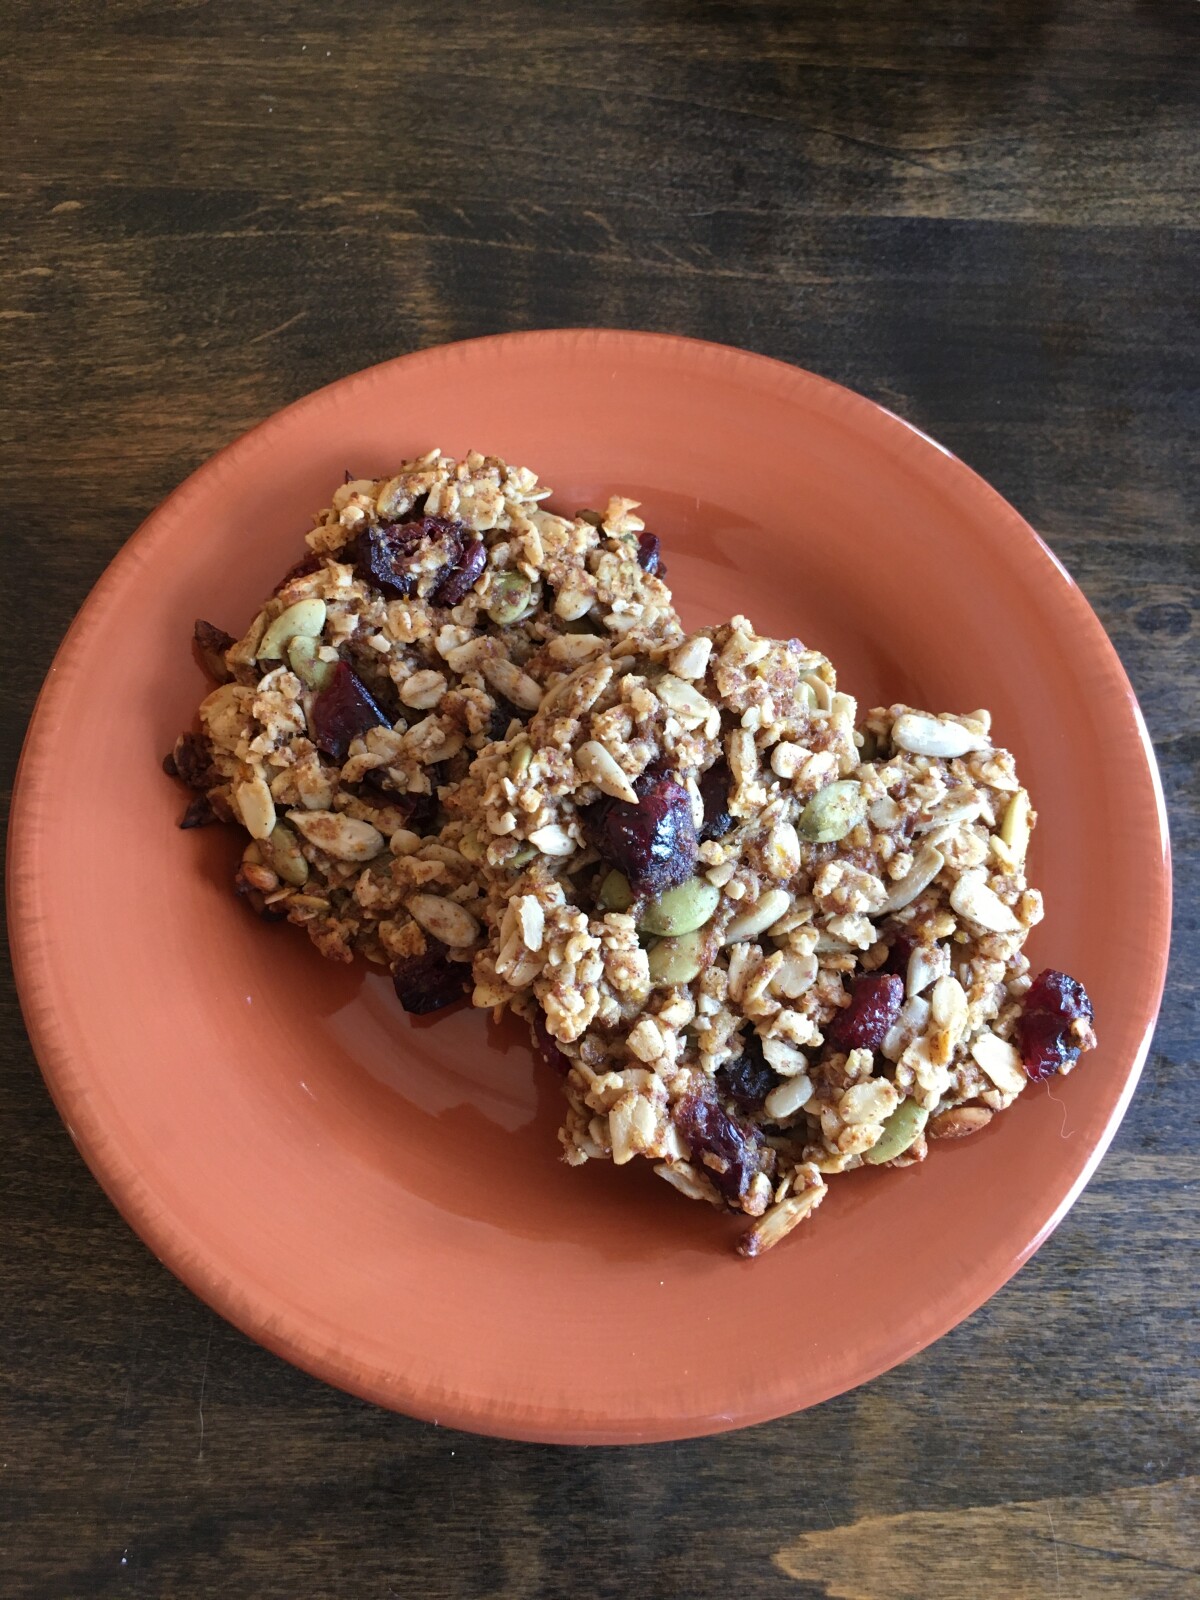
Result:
[[548, 1049], [1048, 1034], [650, 554], [199, 813], [458, 578], [387, 556], [748, 1080], [193, 761], [899, 951], [708, 1129], [651, 840], [306, 564], [383, 556], [430, 981], [343, 710], [714, 791], [212, 643], [875, 1003]]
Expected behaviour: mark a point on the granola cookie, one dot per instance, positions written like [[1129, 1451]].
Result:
[[760, 947], [433, 612]]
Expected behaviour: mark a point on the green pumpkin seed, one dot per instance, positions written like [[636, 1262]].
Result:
[[673, 961], [306, 617], [832, 812], [1014, 830], [615, 893], [282, 854], [682, 909], [900, 1130], [306, 664], [523, 856], [521, 757], [511, 592]]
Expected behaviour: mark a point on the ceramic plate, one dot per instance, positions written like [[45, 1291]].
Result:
[[378, 1198]]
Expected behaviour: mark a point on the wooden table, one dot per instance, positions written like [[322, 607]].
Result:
[[981, 215]]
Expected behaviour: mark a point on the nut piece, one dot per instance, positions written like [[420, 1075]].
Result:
[[512, 683], [934, 736], [758, 917], [673, 961], [345, 838], [597, 765], [552, 840], [833, 811], [306, 617], [972, 898], [680, 910], [255, 807], [691, 659], [779, 1221], [899, 1131], [918, 878], [1000, 1061], [444, 919], [958, 1122], [788, 1097], [282, 853]]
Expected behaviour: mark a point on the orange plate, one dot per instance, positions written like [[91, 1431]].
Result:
[[378, 1198]]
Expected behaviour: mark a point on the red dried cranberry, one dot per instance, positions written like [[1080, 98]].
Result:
[[383, 556], [1045, 1035], [458, 578], [548, 1049], [387, 556], [875, 1003], [306, 564], [748, 1080], [714, 791], [652, 840], [650, 554], [708, 1129], [899, 951], [430, 981], [199, 813], [193, 761], [343, 710]]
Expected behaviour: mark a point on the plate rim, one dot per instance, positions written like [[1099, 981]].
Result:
[[65, 1073]]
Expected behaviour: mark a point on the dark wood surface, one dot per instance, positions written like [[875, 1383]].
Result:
[[981, 214]]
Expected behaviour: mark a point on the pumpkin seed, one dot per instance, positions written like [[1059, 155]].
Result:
[[833, 811], [1015, 829], [673, 961], [900, 1130], [615, 893], [305, 617], [307, 664], [282, 852], [511, 592], [680, 910]]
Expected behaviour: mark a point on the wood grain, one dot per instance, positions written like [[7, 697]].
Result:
[[984, 217]]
